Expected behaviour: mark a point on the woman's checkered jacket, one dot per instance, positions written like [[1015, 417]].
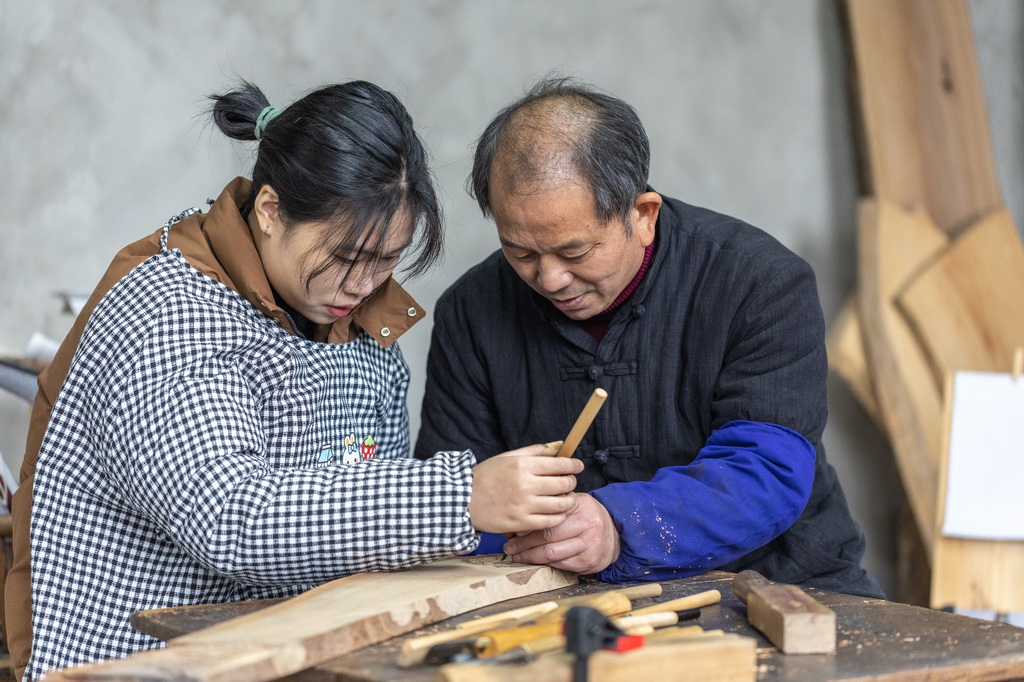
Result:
[[200, 453]]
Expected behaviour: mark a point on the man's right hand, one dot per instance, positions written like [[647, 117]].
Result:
[[522, 490]]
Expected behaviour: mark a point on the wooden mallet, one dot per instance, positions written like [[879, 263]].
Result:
[[788, 616], [583, 423]]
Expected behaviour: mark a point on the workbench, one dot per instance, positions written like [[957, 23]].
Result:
[[876, 639]]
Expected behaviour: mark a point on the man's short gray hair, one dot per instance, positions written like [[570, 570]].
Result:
[[559, 126]]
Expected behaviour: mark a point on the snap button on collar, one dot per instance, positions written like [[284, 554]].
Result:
[[385, 332], [411, 312]]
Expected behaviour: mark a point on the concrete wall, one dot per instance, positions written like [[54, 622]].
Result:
[[103, 135]]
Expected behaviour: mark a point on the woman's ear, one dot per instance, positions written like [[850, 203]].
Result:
[[267, 207]]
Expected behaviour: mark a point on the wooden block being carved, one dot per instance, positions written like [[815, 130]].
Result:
[[790, 618], [331, 620]]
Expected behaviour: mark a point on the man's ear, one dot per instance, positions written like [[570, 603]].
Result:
[[644, 215], [267, 207]]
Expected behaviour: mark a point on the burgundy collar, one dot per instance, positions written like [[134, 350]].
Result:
[[597, 325]]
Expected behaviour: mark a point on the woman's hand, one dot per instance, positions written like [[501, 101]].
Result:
[[522, 490]]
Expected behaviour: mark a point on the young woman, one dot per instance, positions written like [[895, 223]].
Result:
[[227, 420]]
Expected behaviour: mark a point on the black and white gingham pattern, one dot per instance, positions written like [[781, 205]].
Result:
[[197, 453]]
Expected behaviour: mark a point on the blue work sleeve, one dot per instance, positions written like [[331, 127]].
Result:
[[490, 543], [748, 484]]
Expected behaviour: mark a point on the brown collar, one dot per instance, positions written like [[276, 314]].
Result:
[[385, 316]]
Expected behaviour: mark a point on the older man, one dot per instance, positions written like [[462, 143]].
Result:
[[705, 331]]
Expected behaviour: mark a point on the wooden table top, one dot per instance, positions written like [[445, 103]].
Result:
[[876, 639]]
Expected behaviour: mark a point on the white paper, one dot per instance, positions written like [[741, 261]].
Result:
[[985, 479]]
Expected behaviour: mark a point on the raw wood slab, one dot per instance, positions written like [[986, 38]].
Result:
[[922, 128], [331, 620], [923, 134], [894, 245], [970, 573], [921, 102], [967, 308], [926, 147], [847, 358]]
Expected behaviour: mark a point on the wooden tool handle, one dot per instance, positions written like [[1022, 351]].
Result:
[[745, 581], [642, 590], [506, 617], [499, 641], [415, 650], [586, 417], [632, 592], [609, 603], [654, 620], [694, 601], [531, 650]]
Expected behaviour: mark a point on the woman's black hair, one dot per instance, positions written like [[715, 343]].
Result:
[[345, 154]]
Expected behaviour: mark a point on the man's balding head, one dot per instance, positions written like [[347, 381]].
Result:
[[563, 131]]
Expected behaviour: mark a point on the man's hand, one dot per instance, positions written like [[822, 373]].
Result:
[[522, 490], [586, 542]]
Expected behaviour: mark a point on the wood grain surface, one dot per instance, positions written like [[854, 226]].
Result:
[[967, 308], [923, 124], [894, 244]]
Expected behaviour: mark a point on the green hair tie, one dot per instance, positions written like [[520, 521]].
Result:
[[266, 116]]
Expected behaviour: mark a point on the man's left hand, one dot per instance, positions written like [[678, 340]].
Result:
[[585, 542]]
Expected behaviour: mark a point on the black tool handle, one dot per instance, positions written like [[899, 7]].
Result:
[[587, 630]]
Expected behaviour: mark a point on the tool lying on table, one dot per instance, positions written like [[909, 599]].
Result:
[[788, 616], [496, 634], [588, 630], [498, 642], [534, 629], [593, 649]]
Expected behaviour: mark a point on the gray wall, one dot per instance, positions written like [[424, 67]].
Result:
[[745, 102]]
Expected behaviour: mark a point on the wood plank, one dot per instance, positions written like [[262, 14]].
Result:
[[794, 622], [978, 574], [847, 358], [970, 573], [790, 618], [968, 313], [331, 620], [165, 624], [924, 131], [967, 308], [913, 565], [924, 141], [893, 245]]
